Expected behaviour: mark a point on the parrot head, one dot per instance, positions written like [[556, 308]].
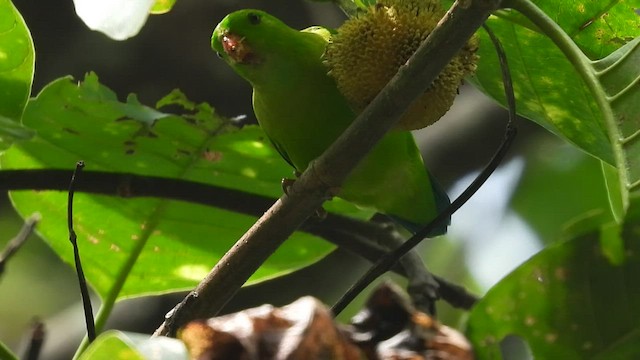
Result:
[[249, 39], [257, 45]]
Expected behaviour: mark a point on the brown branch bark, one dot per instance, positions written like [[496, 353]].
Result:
[[332, 168]]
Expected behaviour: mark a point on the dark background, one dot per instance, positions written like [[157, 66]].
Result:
[[173, 51]]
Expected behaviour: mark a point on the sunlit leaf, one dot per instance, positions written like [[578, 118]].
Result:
[[150, 245], [117, 345], [549, 89], [162, 6], [16, 73], [11, 131]]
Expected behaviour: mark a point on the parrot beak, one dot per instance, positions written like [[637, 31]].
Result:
[[237, 49]]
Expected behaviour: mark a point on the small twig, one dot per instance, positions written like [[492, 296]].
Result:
[[14, 244], [389, 260], [38, 334], [84, 290]]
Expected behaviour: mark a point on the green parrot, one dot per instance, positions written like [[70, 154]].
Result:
[[302, 112]]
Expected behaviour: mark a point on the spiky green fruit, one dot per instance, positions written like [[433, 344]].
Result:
[[368, 50]]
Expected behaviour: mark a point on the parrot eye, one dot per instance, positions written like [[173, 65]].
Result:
[[254, 18]]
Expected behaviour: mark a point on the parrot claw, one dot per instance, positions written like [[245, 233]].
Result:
[[333, 192], [287, 184], [425, 295], [320, 213]]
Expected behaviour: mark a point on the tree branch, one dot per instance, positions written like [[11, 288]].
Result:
[[357, 236], [331, 169], [134, 185], [16, 243]]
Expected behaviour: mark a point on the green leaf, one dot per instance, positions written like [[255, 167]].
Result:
[[547, 87], [572, 96], [119, 345], [17, 60], [11, 131], [570, 301], [162, 6], [363, 4], [598, 27], [619, 74], [549, 84], [132, 247]]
